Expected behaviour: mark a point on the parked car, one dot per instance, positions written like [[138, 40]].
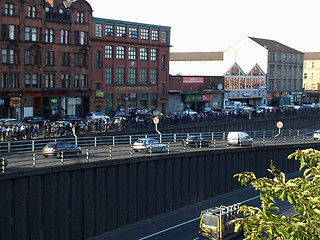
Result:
[[35, 119], [195, 141], [239, 138], [73, 119], [190, 112], [9, 122], [96, 116], [5, 162], [56, 149], [148, 144], [316, 135]]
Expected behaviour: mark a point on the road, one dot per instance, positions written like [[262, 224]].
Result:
[[19, 161], [182, 224]]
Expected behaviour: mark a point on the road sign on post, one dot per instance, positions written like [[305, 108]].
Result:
[[279, 124], [156, 120]]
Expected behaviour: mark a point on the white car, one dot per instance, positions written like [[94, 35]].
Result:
[[239, 138], [190, 112], [316, 135], [148, 145], [96, 116]]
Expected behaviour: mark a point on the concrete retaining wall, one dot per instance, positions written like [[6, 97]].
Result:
[[81, 201]]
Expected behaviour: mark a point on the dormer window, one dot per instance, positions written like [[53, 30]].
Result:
[[48, 9], [61, 10]]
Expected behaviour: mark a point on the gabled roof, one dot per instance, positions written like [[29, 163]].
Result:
[[196, 56], [312, 56], [256, 71], [274, 46], [235, 70]]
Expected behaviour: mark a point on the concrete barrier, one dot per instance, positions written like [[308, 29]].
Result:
[[83, 200]]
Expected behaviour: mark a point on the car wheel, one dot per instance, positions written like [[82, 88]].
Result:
[[79, 153], [136, 150], [58, 155], [45, 156], [196, 145], [162, 149]]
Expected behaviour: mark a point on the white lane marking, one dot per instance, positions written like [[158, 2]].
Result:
[[184, 223]]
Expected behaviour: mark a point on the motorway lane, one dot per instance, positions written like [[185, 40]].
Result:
[[182, 224]]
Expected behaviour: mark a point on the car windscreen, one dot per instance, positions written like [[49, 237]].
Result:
[[210, 220], [51, 145], [141, 141]]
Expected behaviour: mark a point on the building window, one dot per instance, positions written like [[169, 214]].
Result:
[[133, 32], [164, 37], [284, 71], [305, 75], [108, 76], [49, 35], [84, 60], [11, 32], [278, 71], [271, 57], [120, 52], [27, 80], [312, 65], [121, 31], [65, 59], [132, 76], [34, 80], [4, 83], [279, 57], [132, 53], [155, 35], [82, 38], [144, 34], [65, 80], [313, 76], [109, 50], [154, 54], [163, 89], [163, 62], [83, 81], [154, 76], [11, 57], [313, 87], [49, 80], [284, 58], [65, 36], [76, 81], [284, 87], [143, 75], [27, 57], [98, 59], [77, 60], [34, 34], [120, 75], [271, 71], [76, 37], [8, 9], [109, 30], [4, 55], [80, 17], [300, 72], [13, 80], [27, 34], [49, 58], [290, 72], [98, 30], [31, 11], [144, 54]]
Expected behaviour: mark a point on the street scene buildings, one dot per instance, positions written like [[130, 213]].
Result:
[[57, 59]]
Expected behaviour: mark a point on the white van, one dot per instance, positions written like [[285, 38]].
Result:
[[239, 138]]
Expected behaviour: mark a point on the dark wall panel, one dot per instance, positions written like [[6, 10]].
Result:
[[81, 201]]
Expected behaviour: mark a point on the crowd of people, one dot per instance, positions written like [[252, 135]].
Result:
[[60, 128]]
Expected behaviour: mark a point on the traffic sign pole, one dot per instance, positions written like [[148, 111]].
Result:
[[156, 120]]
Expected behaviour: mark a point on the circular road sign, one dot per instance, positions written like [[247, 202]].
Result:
[[279, 124], [156, 120]]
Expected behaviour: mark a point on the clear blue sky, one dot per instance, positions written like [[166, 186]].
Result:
[[214, 25]]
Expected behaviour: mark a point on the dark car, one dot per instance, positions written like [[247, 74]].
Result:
[[195, 141], [73, 119], [10, 122], [56, 149], [35, 120], [5, 160]]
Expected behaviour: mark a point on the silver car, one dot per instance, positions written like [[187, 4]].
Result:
[[57, 148], [148, 145], [316, 135]]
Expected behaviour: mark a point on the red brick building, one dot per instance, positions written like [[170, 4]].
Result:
[[45, 55], [55, 61], [129, 65]]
